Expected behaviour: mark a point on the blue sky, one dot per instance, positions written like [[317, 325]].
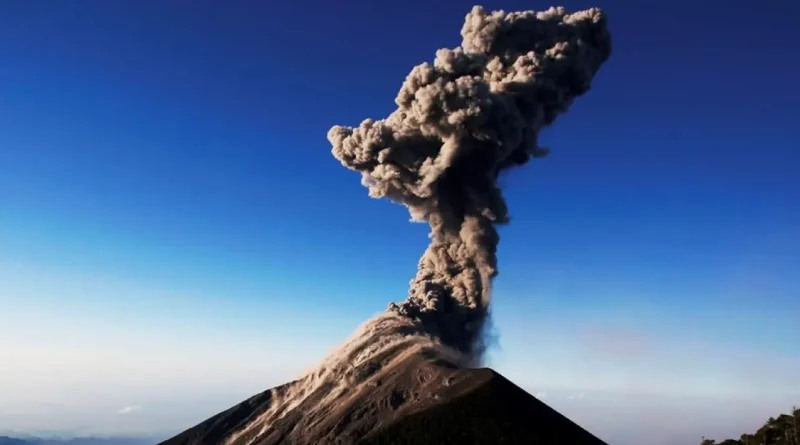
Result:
[[167, 192]]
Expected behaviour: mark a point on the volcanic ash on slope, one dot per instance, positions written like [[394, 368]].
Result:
[[460, 121]]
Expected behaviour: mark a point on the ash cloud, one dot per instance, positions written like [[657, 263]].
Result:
[[460, 121]]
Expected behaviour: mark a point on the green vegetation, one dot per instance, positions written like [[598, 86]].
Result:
[[783, 430]]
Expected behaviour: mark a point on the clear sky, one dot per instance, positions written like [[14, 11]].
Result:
[[176, 236]]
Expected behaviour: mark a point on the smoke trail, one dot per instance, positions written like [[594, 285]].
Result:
[[476, 111], [460, 122]]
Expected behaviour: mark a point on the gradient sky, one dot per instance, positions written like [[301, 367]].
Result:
[[176, 236]]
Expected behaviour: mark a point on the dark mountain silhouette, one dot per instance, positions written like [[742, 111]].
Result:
[[783, 430], [423, 403], [5, 440]]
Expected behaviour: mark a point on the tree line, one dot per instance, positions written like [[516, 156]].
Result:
[[782, 430]]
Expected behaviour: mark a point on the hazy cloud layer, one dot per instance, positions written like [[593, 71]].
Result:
[[129, 409]]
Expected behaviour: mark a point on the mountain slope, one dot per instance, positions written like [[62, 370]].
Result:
[[420, 403], [494, 411]]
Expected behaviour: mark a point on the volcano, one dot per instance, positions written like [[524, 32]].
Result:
[[410, 374], [419, 403]]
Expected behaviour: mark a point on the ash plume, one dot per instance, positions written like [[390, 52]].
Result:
[[476, 111], [460, 122]]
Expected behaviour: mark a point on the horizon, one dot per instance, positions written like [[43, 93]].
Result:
[[169, 245]]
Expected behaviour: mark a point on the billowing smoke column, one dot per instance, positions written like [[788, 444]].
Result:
[[459, 123]]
